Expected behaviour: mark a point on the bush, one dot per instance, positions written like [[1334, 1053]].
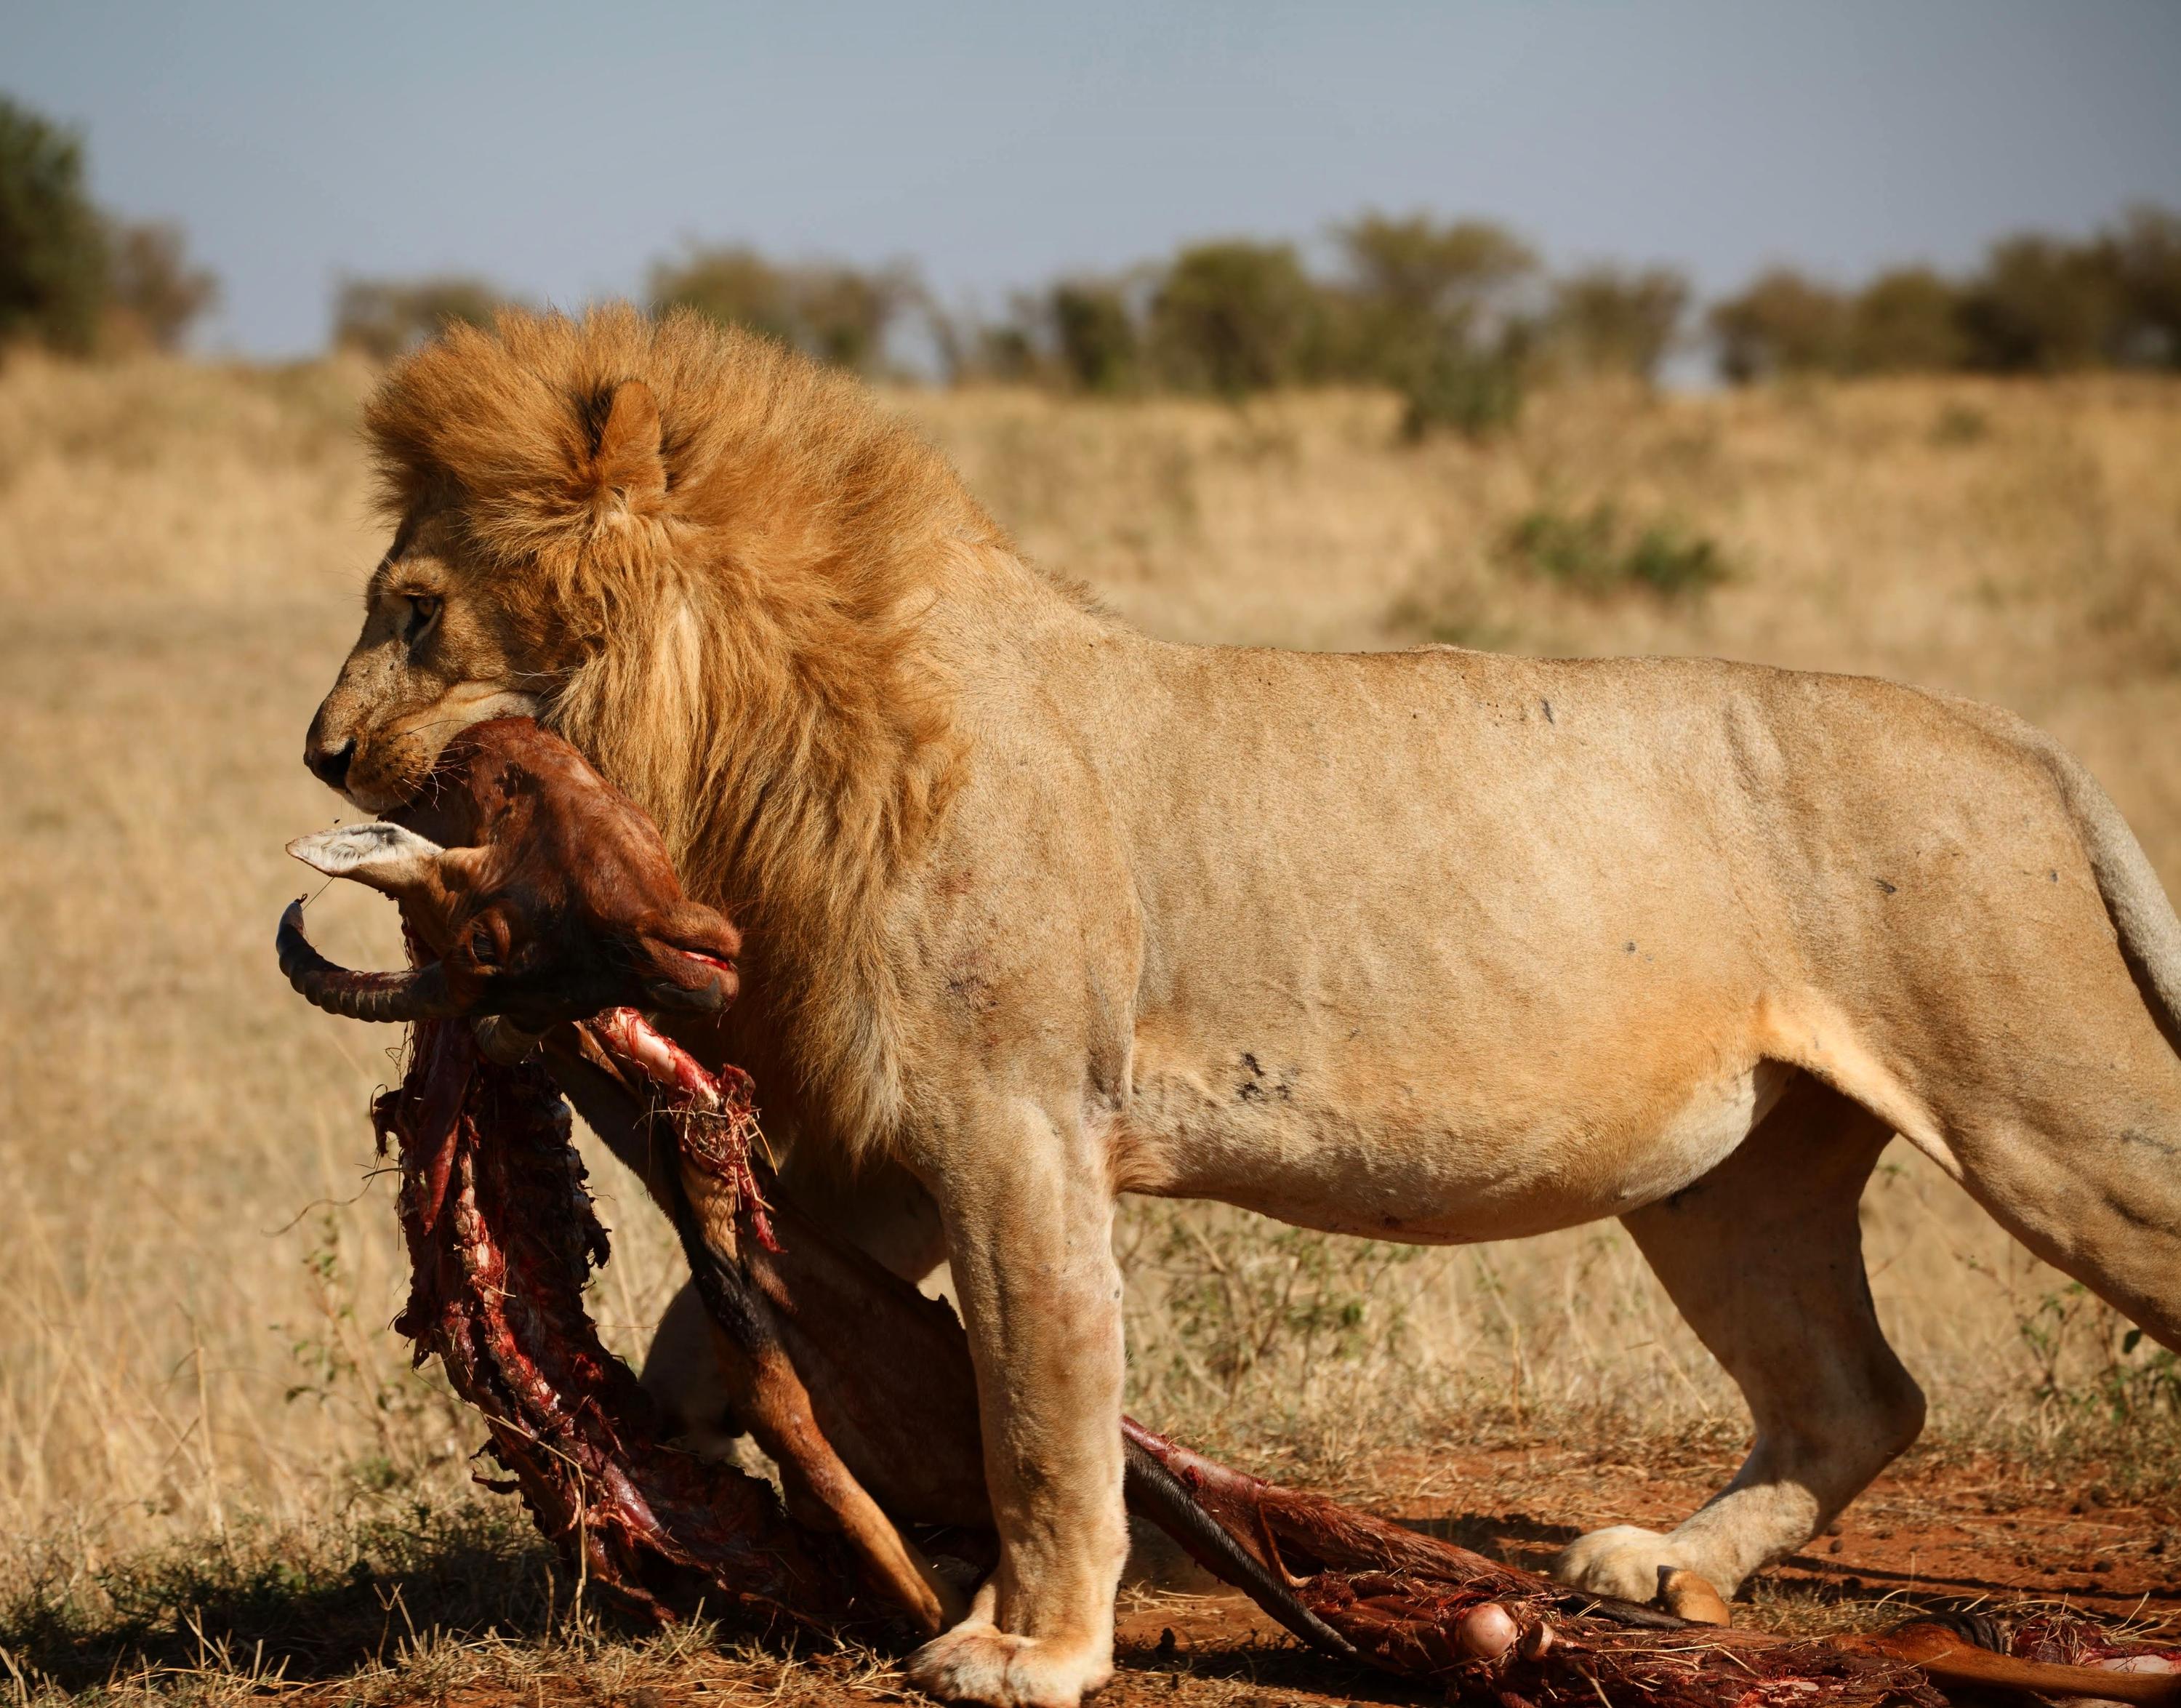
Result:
[[2144, 257], [383, 319], [1474, 393], [1782, 323], [1095, 334], [837, 313], [2044, 306], [1433, 311], [842, 315], [1416, 289], [2038, 305], [735, 286], [1416, 271], [1908, 320], [1593, 553], [1610, 320], [53, 264], [1234, 317], [154, 294]]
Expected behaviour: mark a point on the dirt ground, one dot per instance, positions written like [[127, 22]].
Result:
[[1946, 1535], [1947, 1532]]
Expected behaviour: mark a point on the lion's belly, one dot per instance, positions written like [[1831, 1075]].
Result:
[[1409, 1164]]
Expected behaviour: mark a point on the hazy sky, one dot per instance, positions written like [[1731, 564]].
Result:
[[558, 147]]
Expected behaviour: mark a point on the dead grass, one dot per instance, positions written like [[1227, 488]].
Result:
[[194, 1369]]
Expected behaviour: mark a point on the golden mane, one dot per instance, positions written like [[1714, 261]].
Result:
[[738, 646]]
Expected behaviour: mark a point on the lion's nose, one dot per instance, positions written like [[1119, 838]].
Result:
[[330, 764]]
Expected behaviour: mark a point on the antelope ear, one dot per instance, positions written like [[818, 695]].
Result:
[[384, 855], [628, 461]]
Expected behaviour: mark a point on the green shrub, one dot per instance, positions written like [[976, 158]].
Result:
[[1782, 323], [2044, 306], [1673, 561], [835, 312], [155, 294], [1434, 311], [386, 317], [1609, 319], [2145, 256], [53, 263], [1234, 317], [1473, 393], [1414, 273], [2038, 305], [1593, 552], [1906, 321], [1095, 334], [736, 286], [843, 314]]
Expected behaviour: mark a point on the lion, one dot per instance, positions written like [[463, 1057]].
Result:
[[1433, 946]]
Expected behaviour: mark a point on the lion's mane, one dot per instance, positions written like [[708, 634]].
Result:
[[739, 643]]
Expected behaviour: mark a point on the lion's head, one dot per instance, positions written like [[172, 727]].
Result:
[[439, 651], [684, 547]]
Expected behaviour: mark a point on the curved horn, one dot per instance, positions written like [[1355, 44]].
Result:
[[421, 995]]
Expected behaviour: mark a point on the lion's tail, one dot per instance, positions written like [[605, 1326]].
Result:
[[2150, 932]]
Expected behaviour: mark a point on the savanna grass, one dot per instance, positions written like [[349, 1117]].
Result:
[[203, 1416]]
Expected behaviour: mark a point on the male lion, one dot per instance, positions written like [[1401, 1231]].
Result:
[[1434, 946]]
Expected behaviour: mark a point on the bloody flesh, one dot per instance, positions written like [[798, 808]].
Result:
[[501, 1238]]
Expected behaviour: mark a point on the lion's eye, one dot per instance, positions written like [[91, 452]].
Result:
[[423, 612]]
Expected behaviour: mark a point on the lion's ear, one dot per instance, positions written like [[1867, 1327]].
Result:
[[628, 461]]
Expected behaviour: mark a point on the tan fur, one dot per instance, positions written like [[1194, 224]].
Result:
[[751, 582], [1440, 946]]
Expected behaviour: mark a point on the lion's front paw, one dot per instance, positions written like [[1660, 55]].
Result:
[[978, 1662], [1623, 1560], [1638, 1565]]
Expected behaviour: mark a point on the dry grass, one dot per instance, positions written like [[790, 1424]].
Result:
[[201, 1262]]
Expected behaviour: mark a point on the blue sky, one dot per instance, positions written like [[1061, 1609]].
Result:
[[558, 148]]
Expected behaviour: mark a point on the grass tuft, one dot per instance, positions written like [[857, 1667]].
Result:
[[1595, 552]]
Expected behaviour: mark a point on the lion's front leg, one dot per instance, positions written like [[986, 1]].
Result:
[[1029, 1215]]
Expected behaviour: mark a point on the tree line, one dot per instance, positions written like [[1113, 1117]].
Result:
[[72, 277], [1460, 317]]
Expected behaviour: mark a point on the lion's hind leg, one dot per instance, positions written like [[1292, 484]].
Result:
[[1763, 1257], [2081, 1160]]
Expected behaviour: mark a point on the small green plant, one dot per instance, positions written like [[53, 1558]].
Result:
[[1960, 425], [1472, 393], [341, 1368], [2088, 1359], [1251, 1313], [1594, 552], [1672, 561]]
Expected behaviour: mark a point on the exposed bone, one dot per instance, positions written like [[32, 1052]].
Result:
[[1487, 1632]]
